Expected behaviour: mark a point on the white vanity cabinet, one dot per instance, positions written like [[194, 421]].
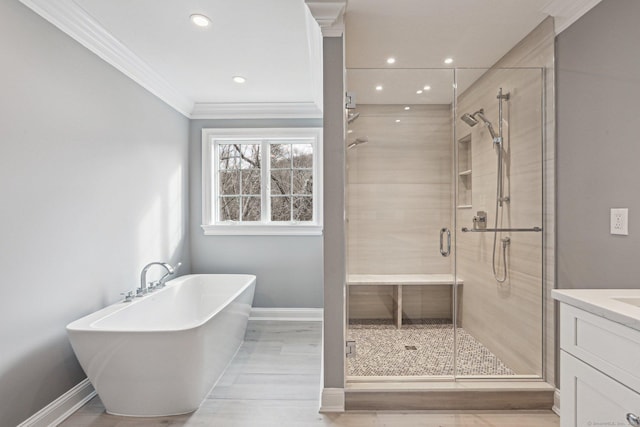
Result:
[[599, 361]]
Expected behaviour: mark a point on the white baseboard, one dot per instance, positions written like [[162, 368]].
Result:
[[556, 402], [290, 314], [61, 408], [332, 400]]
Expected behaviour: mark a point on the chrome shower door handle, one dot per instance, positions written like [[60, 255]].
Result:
[[444, 252]]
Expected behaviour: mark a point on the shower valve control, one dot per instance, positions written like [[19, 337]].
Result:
[[480, 220]]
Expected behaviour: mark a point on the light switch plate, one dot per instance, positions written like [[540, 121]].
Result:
[[620, 221]]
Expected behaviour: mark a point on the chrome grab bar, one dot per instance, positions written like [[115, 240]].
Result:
[[484, 230], [442, 251]]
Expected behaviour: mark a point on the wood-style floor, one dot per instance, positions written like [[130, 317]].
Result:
[[274, 381]]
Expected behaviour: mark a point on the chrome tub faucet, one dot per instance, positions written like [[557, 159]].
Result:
[[144, 288]]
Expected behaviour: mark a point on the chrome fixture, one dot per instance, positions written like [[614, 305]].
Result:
[[472, 120], [445, 252], [352, 116], [350, 100], [491, 230], [480, 221], [506, 241], [161, 283], [357, 142], [144, 289], [128, 296], [500, 199]]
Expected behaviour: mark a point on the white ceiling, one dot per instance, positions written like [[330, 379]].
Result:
[[276, 45], [263, 41], [420, 34]]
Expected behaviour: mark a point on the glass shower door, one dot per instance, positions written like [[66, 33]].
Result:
[[444, 224], [399, 230], [499, 242]]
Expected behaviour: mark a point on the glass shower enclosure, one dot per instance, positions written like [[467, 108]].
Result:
[[444, 216]]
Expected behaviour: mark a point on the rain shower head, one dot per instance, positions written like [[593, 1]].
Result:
[[471, 120], [352, 116], [358, 141]]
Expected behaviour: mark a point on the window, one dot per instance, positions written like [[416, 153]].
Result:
[[262, 181]]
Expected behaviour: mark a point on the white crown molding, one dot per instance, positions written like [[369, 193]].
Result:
[[566, 12], [329, 15], [63, 407], [256, 110], [69, 17], [314, 42]]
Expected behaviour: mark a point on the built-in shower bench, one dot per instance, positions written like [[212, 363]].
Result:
[[397, 282]]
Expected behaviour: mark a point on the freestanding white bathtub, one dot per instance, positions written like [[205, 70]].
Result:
[[161, 354]]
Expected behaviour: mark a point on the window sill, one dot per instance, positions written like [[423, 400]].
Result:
[[261, 230]]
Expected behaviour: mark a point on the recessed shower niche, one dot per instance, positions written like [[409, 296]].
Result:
[[465, 173], [428, 295]]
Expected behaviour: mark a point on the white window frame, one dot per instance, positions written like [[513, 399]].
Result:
[[211, 138]]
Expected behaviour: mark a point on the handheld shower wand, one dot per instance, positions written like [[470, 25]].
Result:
[[472, 120]]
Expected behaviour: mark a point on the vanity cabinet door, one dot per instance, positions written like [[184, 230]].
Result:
[[591, 398], [610, 347]]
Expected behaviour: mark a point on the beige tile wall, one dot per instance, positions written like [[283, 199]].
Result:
[[509, 318], [506, 318], [419, 302], [399, 189]]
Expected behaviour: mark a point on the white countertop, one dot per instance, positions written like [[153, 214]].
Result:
[[604, 303]]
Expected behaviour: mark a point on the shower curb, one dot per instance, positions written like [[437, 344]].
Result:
[[467, 398]]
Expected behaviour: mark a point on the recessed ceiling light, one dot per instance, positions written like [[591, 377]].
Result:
[[350, 131], [407, 108], [419, 91], [239, 79], [397, 120], [448, 61], [391, 60], [378, 87], [200, 20], [427, 87]]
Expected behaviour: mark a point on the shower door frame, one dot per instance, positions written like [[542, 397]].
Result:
[[455, 261]]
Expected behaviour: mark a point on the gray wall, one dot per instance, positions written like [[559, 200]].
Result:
[[335, 252], [93, 183], [289, 268], [598, 146]]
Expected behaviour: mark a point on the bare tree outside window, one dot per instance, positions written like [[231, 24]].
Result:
[[291, 182], [240, 186], [239, 182], [262, 181]]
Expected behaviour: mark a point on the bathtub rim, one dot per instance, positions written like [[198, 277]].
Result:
[[86, 323]]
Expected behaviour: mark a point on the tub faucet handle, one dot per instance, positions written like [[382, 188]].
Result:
[[128, 296], [172, 270]]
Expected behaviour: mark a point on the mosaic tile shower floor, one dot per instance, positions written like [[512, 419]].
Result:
[[420, 348]]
